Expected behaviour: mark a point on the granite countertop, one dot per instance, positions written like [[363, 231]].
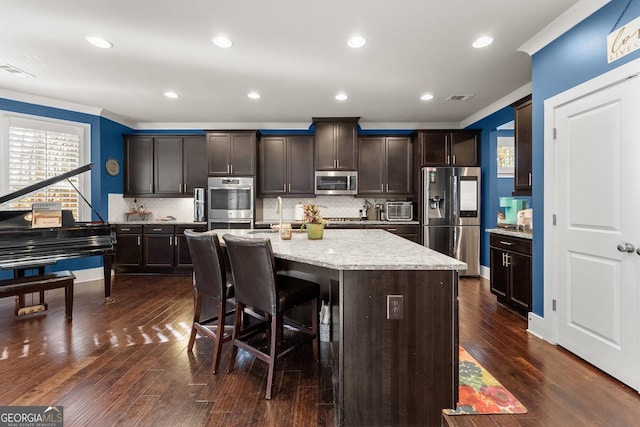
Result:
[[341, 223], [356, 249], [513, 233]]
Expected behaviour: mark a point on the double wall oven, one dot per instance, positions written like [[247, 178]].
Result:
[[231, 202]]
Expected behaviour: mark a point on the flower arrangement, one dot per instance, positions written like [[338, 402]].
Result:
[[311, 214]]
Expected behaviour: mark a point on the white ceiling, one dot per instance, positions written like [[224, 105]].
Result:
[[293, 52]]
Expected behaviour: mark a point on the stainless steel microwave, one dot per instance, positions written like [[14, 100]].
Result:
[[336, 182]]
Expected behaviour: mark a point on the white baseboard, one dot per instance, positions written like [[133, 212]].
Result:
[[485, 272], [539, 327]]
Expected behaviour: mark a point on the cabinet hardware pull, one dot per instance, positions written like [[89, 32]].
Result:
[[139, 241], [125, 229], [454, 159], [231, 169], [529, 179], [382, 188], [157, 229], [289, 188], [150, 188], [506, 243], [508, 260]]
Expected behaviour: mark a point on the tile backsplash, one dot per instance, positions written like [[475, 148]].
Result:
[[182, 208], [179, 208]]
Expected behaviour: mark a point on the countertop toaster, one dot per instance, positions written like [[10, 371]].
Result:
[[399, 211]]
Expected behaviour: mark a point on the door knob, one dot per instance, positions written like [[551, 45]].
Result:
[[638, 251], [626, 247]]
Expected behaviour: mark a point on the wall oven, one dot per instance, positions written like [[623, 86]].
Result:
[[230, 202]]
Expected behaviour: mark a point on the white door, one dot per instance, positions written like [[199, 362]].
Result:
[[598, 221]]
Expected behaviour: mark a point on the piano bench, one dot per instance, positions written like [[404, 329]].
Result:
[[25, 285]]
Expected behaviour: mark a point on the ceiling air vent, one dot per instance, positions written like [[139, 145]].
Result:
[[459, 97]]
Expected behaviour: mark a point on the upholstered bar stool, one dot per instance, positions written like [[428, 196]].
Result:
[[258, 285], [210, 279]]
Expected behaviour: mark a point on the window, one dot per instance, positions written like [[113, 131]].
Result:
[[34, 149], [506, 157]]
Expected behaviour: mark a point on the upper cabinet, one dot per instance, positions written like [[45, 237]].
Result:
[[231, 153], [336, 143], [385, 166], [285, 165], [523, 148], [448, 147], [167, 165]]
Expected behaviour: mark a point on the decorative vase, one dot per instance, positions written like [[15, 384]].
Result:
[[314, 231]]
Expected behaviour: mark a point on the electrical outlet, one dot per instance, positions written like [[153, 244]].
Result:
[[395, 307]]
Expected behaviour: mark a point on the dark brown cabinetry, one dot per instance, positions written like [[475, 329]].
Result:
[[510, 263], [336, 143], [385, 166], [231, 153], [170, 166], [523, 148], [285, 165], [152, 248], [448, 147], [408, 231]]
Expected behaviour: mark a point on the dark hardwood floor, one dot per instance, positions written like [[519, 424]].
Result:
[[126, 364]]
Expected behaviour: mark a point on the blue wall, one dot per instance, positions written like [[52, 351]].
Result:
[[575, 57], [106, 142]]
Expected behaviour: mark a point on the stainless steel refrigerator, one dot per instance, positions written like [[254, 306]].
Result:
[[451, 214]]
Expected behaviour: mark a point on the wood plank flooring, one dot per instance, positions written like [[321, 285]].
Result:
[[126, 364]]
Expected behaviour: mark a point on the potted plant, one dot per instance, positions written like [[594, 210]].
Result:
[[314, 223]]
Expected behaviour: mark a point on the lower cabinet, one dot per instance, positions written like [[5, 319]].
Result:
[[153, 248], [510, 265], [408, 231]]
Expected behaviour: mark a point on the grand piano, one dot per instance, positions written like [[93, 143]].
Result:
[[23, 248]]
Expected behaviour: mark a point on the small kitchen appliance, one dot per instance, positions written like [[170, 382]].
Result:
[[399, 211], [511, 207], [199, 205]]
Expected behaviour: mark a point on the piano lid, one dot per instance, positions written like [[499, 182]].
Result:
[[45, 183]]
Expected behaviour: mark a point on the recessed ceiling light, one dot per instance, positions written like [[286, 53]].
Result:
[[223, 42], [356, 41], [253, 95], [426, 97], [171, 95], [482, 42], [341, 97], [99, 42]]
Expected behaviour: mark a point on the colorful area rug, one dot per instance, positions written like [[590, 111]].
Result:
[[481, 393]]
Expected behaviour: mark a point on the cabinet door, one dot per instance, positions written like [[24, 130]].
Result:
[[435, 148], [520, 290], [139, 165], [272, 155], [183, 256], [158, 250], [168, 165], [218, 154], [398, 166], [523, 148], [300, 165], [243, 154], [128, 250], [500, 274], [371, 165], [194, 163], [465, 149], [325, 146], [346, 145]]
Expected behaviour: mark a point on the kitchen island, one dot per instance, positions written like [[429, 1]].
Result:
[[392, 365]]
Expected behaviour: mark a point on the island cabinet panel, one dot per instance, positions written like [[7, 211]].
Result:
[[398, 372]]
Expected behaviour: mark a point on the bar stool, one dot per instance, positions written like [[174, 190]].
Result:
[[209, 279], [258, 285]]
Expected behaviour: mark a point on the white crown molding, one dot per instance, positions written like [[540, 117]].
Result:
[[563, 23], [408, 125], [514, 96], [64, 105], [222, 125]]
